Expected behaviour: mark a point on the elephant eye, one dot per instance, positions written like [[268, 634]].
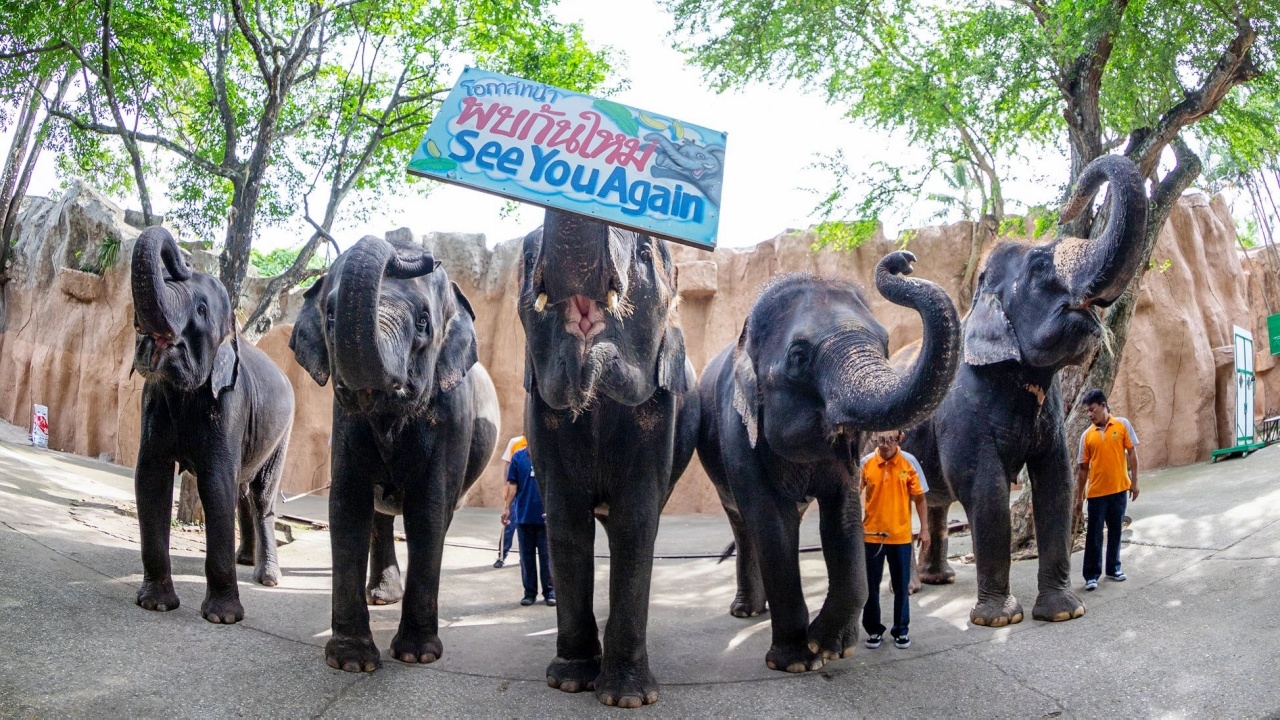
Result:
[[329, 318], [202, 309], [424, 321], [798, 358], [646, 253]]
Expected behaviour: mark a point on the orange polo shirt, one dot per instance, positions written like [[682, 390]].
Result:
[[1103, 450], [889, 485]]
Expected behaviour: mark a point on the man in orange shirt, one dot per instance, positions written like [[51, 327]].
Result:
[[1109, 469], [890, 485]]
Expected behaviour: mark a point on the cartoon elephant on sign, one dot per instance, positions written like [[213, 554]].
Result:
[[701, 165], [213, 405], [782, 412], [415, 419], [1034, 313]]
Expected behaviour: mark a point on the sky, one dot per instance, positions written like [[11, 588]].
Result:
[[775, 135]]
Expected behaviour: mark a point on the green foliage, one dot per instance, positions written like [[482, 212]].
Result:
[[843, 235], [1160, 267], [1045, 223], [1012, 226], [107, 254], [277, 261]]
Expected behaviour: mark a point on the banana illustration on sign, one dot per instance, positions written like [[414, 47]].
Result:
[[432, 149], [677, 129], [650, 122]]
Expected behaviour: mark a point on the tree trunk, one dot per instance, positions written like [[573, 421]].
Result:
[[979, 232], [190, 511], [10, 218], [22, 133]]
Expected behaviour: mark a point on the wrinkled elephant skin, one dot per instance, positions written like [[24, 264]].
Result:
[[782, 414], [415, 420], [215, 406], [1033, 314]]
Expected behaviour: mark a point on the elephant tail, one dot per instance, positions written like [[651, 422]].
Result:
[[728, 551]]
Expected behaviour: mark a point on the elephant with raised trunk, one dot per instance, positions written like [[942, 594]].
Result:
[[782, 414], [415, 420], [215, 406], [1035, 311], [611, 419]]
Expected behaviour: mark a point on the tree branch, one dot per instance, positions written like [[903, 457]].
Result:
[[34, 51], [237, 9], [163, 142]]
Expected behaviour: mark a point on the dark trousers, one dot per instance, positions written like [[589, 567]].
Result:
[[899, 557], [1108, 509], [508, 531], [535, 560]]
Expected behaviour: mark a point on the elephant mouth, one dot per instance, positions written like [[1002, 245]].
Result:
[[370, 403], [584, 319]]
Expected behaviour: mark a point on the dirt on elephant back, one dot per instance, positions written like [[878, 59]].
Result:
[[68, 338]]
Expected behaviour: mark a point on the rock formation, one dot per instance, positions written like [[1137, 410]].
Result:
[[68, 341]]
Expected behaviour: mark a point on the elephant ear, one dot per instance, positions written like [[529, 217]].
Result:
[[671, 362], [307, 340], [988, 335], [458, 353], [226, 365], [746, 397]]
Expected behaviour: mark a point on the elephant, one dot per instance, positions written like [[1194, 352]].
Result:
[[415, 421], [783, 412], [701, 165], [214, 405], [611, 420], [1034, 313]]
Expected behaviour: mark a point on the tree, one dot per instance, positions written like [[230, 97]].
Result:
[[242, 107], [1088, 77]]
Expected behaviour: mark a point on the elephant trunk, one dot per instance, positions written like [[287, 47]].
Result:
[[1098, 271], [372, 335], [578, 259], [155, 305], [868, 393]]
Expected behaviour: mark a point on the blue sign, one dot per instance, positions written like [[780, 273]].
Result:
[[556, 148]]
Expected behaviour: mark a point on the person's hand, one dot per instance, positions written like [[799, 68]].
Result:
[[925, 541], [1133, 489], [506, 518]]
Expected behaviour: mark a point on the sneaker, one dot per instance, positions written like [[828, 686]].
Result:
[[1091, 585], [498, 563], [902, 642], [1118, 577], [528, 600], [551, 602], [873, 641]]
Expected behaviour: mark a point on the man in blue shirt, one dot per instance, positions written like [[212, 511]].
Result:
[[524, 510]]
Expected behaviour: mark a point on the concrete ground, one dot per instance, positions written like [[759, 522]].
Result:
[[1193, 632]]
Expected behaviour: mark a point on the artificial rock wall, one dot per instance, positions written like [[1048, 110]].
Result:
[[68, 340]]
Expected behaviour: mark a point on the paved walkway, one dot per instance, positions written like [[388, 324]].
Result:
[[1193, 632]]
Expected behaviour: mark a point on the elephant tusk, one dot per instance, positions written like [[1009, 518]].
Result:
[[612, 301], [541, 303]]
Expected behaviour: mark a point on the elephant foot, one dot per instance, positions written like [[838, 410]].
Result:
[[225, 610], [244, 556], [573, 676], [416, 647], [629, 686], [267, 574], [939, 575], [1057, 606], [747, 604], [388, 590], [997, 612], [833, 640], [352, 654], [158, 596], [793, 658]]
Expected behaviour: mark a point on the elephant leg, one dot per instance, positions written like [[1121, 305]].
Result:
[[219, 492], [834, 633], [426, 517], [571, 531], [1051, 486], [263, 491], [248, 528], [985, 498], [153, 488], [625, 679], [749, 600], [934, 569], [350, 522], [774, 526], [384, 587]]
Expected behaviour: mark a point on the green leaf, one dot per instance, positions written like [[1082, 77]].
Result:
[[620, 115]]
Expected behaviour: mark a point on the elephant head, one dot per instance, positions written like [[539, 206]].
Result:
[[185, 325], [702, 165], [812, 362], [1036, 304], [388, 327], [598, 305]]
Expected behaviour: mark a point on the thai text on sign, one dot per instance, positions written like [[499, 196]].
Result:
[[560, 149]]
